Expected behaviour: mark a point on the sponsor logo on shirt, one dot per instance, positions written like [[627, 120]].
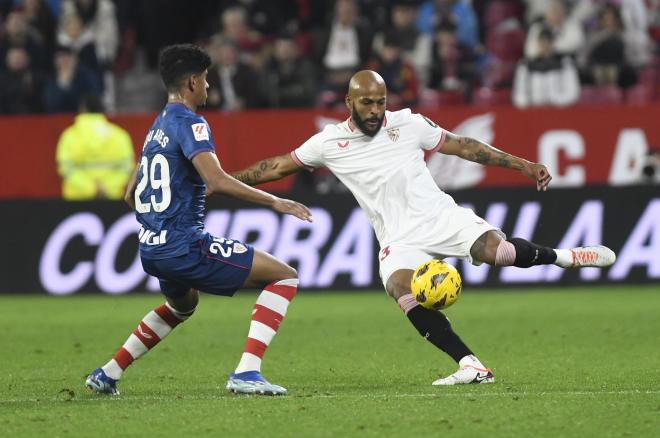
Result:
[[342, 146], [200, 131], [393, 134]]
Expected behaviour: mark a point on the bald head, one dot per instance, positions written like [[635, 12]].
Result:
[[366, 100], [366, 82]]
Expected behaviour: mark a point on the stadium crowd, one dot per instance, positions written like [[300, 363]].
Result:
[[300, 53]]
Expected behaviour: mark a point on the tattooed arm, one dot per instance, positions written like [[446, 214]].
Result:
[[270, 169], [483, 153]]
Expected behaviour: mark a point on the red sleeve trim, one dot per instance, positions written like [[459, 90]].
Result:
[[440, 142], [300, 163]]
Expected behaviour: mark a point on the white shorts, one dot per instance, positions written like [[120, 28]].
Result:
[[440, 241]]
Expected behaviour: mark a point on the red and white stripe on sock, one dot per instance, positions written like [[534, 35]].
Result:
[[154, 327], [267, 315]]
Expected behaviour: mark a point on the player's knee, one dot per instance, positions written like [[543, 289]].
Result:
[[284, 272], [184, 315], [398, 287], [484, 248], [184, 307], [289, 272]]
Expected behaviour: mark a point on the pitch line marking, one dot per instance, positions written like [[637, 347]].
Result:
[[339, 396]]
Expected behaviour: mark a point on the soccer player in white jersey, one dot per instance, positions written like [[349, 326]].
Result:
[[379, 156]]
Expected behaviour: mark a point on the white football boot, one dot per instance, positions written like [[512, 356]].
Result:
[[598, 256], [465, 375]]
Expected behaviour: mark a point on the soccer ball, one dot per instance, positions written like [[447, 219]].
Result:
[[436, 284]]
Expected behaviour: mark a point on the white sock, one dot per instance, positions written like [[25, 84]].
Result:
[[564, 257], [112, 369], [471, 360]]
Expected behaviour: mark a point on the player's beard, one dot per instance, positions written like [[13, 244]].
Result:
[[361, 123]]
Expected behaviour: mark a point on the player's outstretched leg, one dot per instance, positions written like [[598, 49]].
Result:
[[435, 328], [492, 249], [279, 283], [152, 329]]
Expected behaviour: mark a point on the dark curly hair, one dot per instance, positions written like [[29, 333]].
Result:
[[179, 61]]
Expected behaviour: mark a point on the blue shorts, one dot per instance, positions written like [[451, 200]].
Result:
[[215, 265]]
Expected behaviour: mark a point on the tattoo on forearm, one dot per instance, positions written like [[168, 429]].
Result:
[[483, 153], [253, 175]]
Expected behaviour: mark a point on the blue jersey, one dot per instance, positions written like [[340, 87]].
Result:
[[170, 194]]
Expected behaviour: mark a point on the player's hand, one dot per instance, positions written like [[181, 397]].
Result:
[[293, 208], [539, 173]]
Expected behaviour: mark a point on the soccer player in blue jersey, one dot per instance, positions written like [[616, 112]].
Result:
[[177, 170]]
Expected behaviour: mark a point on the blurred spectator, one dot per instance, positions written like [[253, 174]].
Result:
[[567, 33], [398, 73], [549, 79], [604, 55], [95, 158], [235, 27], [536, 9], [98, 23], [505, 40], [270, 17], [20, 86], [415, 45], [232, 82], [287, 80], [69, 83], [80, 40], [454, 64], [459, 12], [40, 17], [343, 46], [19, 34], [635, 17], [98, 17]]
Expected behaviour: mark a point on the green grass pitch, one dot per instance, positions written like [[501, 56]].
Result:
[[568, 362]]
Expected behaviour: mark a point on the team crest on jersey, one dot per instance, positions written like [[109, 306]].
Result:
[[239, 248], [393, 134], [200, 131]]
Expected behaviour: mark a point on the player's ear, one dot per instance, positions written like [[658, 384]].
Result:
[[347, 100], [191, 82]]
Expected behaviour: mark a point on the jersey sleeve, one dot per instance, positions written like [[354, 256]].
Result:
[[431, 136], [194, 136], [309, 155]]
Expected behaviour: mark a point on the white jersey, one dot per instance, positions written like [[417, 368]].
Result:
[[386, 173]]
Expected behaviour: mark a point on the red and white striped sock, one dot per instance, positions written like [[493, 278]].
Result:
[[267, 316], [152, 329]]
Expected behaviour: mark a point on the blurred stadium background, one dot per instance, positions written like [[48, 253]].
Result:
[[574, 84]]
